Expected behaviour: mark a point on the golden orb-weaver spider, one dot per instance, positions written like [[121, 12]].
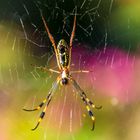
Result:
[[63, 57]]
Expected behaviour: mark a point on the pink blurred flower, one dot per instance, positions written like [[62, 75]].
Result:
[[115, 71]]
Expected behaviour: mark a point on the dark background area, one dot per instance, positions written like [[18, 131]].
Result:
[[101, 27]]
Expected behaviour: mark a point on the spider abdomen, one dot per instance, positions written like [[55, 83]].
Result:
[[63, 53]]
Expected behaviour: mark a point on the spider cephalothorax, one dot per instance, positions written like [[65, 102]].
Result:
[[64, 81], [63, 57], [65, 76]]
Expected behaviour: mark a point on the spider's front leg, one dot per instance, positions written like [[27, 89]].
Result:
[[86, 101], [47, 101], [41, 104], [42, 114]]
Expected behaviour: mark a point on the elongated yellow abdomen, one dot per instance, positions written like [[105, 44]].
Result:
[[63, 53]]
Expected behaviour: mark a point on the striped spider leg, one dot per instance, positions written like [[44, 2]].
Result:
[[45, 101], [86, 100]]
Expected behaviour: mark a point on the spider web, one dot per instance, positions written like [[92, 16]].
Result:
[[101, 44]]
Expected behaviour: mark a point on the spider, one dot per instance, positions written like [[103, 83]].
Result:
[[63, 57]]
